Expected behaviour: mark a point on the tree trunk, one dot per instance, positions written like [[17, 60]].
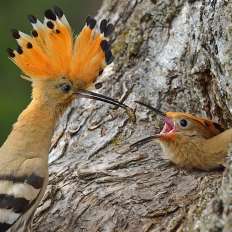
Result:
[[175, 55]]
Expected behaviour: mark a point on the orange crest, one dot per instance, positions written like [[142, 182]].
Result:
[[51, 51]]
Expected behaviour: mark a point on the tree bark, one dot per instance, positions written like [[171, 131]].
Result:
[[175, 55]]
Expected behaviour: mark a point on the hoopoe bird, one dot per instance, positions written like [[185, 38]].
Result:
[[60, 68], [190, 141]]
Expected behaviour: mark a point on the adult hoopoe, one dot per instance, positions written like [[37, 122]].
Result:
[[190, 141], [60, 68]]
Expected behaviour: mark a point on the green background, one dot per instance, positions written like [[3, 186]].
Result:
[[14, 91]]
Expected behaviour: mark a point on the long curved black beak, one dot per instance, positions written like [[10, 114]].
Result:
[[146, 140], [152, 108], [96, 96], [141, 142]]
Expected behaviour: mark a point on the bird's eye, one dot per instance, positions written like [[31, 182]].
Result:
[[183, 123], [65, 88], [98, 85]]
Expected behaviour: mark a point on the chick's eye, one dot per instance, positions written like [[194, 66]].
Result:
[[183, 123], [98, 85], [65, 88]]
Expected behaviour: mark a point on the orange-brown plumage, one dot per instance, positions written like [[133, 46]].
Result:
[[190, 141], [60, 69]]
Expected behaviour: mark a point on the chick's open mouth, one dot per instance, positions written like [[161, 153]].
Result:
[[168, 127]]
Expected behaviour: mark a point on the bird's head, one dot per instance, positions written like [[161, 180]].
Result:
[[178, 124], [59, 66]]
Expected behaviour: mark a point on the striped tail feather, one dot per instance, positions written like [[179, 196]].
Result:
[[17, 197]]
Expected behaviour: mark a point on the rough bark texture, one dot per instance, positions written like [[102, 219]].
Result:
[[174, 54]]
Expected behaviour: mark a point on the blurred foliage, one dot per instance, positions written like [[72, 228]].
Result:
[[15, 92]]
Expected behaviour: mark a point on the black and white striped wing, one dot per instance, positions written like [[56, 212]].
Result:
[[17, 196]]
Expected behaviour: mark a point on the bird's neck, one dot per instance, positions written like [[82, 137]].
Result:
[[32, 133], [220, 143]]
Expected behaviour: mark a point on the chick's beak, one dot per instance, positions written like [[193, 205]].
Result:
[[165, 134], [144, 141], [160, 113], [169, 126], [96, 96]]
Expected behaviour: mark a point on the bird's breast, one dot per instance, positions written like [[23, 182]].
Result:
[[184, 153]]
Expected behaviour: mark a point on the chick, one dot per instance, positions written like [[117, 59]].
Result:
[[190, 141]]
